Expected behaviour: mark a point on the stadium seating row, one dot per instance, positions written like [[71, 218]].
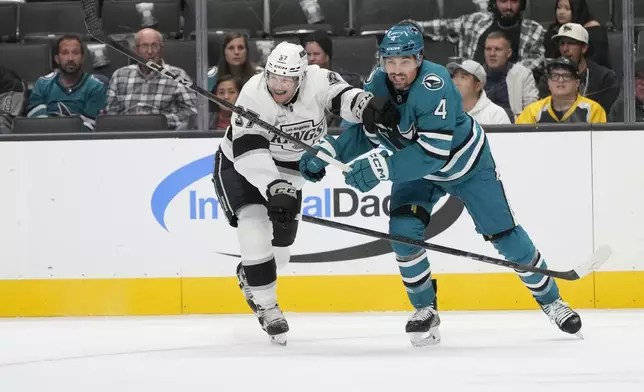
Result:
[[23, 21]]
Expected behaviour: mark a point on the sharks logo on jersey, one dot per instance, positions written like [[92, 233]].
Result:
[[433, 82]]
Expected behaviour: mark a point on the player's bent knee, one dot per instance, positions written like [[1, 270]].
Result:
[[406, 226], [254, 232], [515, 245]]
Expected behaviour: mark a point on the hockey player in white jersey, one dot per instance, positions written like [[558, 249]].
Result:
[[256, 173]]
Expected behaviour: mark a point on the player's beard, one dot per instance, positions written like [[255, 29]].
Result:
[[70, 69]]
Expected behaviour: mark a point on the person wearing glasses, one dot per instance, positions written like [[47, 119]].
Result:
[[564, 104], [136, 89]]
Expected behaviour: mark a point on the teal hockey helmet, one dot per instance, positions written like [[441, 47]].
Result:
[[404, 39]]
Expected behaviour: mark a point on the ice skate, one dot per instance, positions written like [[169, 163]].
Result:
[[273, 322], [566, 319], [243, 285], [422, 327]]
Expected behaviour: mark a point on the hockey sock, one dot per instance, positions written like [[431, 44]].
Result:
[[517, 246], [412, 261]]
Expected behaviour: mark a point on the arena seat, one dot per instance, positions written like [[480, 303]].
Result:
[[456, 8], [29, 61], [182, 54], [101, 53], [374, 17], [8, 22], [38, 20], [226, 15], [287, 17], [355, 54], [131, 123], [638, 14], [439, 52], [122, 16], [26, 125]]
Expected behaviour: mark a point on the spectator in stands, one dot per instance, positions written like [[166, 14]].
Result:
[[319, 50], [14, 95], [577, 11], [509, 85], [470, 32], [596, 82], [565, 104], [136, 89], [234, 60], [68, 91], [226, 88], [469, 77], [617, 110]]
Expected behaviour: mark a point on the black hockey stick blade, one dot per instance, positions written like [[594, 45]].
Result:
[[93, 24], [596, 261]]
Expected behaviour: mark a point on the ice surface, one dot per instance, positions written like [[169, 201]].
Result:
[[480, 351]]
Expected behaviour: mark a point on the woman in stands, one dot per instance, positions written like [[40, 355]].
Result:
[[234, 60], [227, 88], [577, 11]]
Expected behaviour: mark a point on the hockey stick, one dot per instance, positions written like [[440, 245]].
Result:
[[93, 25], [595, 262]]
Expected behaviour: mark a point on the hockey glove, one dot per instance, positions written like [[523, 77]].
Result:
[[380, 113], [366, 173], [283, 205], [312, 167]]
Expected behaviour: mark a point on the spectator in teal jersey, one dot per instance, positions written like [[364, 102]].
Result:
[[234, 60], [68, 91]]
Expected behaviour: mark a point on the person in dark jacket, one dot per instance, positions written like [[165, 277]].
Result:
[[577, 11], [596, 82], [616, 113]]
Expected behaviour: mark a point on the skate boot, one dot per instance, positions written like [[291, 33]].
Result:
[[273, 322], [566, 319], [243, 285], [422, 327]]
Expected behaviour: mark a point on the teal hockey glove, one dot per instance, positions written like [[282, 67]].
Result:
[[366, 173], [312, 168]]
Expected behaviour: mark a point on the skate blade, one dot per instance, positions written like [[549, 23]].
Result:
[[579, 335], [279, 339], [429, 338]]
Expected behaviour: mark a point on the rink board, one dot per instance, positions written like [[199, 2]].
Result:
[[125, 227]]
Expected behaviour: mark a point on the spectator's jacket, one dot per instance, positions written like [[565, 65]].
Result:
[[132, 93], [467, 30], [487, 112], [596, 82], [49, 98], [583, 110], [616, 113], [522, 88]]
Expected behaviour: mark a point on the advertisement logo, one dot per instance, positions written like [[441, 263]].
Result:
[[330, 203]]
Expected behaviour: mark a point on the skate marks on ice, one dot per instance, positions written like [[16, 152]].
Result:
[[489, 351]]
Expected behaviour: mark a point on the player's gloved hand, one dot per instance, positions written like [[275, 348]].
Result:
[[379, 113], [312, 167], [366, 173], [283, 206]]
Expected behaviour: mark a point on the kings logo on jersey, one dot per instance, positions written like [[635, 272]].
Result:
[[304, 131], [433, 82]]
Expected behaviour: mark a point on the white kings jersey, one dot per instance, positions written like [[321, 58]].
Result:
[[263, 157]]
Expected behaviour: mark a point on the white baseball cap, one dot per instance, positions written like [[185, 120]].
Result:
[[574, 31], [471, 67]]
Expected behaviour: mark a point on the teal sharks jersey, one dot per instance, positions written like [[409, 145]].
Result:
[[432, 121]]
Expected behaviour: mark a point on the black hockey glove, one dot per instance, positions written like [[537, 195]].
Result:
[[380, 113], [283, 206]]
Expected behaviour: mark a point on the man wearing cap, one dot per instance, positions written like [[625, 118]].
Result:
[[617, 110], [470, 77], [565, 104], [595, 81]]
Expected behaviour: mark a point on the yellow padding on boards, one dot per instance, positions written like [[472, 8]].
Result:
[[172, 296]]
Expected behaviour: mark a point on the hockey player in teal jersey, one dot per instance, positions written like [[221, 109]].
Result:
[[436, 149]]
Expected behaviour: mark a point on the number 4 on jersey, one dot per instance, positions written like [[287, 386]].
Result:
[[441, 109]]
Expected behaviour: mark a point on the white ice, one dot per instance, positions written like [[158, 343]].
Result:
[[480, 351]]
